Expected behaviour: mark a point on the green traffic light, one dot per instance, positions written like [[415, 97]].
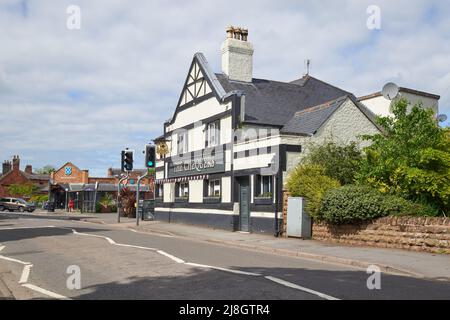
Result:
[[150, 163]]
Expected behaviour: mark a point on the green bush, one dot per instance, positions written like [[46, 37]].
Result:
[[340, 162], [310, 181], [356, 203]]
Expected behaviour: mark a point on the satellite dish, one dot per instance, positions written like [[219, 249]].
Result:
[[390, 91], [442, 117]]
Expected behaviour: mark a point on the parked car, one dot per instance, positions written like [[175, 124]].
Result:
[[16, 204]]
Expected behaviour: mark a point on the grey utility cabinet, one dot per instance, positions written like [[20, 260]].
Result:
[[298, 221]]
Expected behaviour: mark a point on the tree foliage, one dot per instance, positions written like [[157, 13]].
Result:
[[310, 181], [23, 190], [411, 158], [45, 170], [339, 162]]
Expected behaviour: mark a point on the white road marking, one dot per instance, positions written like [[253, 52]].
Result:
[[25, 274], [295, 286], [177, 260], [111, 241], [223, 269], [16, 228], [43, 291], [14, 260], [153, 234], [133, 246]]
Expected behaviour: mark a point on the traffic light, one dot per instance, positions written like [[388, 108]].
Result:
[[150, 156], [127, 160]]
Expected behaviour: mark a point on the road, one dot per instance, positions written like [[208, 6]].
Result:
[[119, 263]]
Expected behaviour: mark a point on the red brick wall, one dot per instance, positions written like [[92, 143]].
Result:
[[77, 175], [13, 177]]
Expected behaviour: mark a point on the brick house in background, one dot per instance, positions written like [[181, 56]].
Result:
[[70, 182], [11, 174]]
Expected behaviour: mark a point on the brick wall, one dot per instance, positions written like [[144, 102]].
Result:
[[13, 177], [410, 233]]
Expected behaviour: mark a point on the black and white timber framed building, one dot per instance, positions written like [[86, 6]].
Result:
[[226, 152]]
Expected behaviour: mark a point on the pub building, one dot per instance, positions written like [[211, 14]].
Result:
[[226, 152]]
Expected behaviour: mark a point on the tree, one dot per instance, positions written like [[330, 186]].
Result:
[[339, 162], [411, 158], [23, 190], [45, 170]]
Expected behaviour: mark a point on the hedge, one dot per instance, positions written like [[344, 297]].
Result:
[[355, 203]]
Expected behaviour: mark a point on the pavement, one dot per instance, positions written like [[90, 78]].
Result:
[[395, 261], [40, 256]]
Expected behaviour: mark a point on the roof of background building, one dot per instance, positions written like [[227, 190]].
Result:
[[402, 89]]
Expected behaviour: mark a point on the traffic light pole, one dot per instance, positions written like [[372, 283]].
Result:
[[137, 196], [118, 196]]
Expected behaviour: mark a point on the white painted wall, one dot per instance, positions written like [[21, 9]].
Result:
[[226, 189], [203, 110], [169, 192], [250, 162], [381, 106], [226, 130], [196, 191]]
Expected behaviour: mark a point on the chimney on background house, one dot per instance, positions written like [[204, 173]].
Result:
[[15, 163], [6, 167], [29, 169], [237, 55]]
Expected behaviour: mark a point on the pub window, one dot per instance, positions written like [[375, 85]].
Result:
[[213, 134], [182, 142], [263, 186], [214, 188], [182, 190]]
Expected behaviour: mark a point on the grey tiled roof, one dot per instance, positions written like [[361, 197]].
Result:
[[36, 176], [308, 121], [275, 103]]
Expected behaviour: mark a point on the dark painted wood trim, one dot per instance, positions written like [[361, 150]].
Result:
[[204, 121], [189, 205]]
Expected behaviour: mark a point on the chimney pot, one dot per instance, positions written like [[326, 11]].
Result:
[[230, 32], [244, 33], [29, 169], [237, 33]]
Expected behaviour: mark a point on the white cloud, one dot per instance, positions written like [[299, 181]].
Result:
[[84, 95]]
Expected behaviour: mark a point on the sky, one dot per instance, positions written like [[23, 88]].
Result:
[[83, 95]]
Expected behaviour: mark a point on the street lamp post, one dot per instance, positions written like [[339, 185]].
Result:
[[67, 197]]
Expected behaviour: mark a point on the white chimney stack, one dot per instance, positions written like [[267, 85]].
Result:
[[237, 55]]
